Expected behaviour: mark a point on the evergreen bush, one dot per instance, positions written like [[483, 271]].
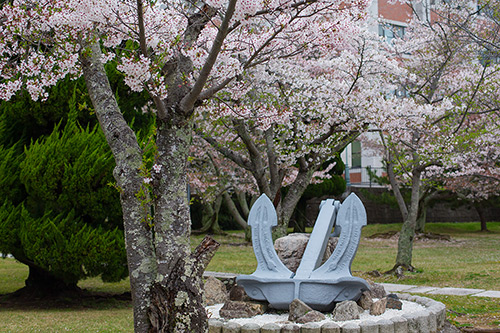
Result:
[[59, 215]]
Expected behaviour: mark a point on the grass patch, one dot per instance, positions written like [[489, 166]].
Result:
[[470, 311], [470, 260], [12, 275], [67, 320]]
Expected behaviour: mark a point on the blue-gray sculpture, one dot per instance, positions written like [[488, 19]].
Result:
[[318, 286]]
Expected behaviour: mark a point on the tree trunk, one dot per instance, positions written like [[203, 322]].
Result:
[[235, 213], [177, 305], [421, 216], [482, 218], [300, 218], [405, 242], [210, 218], [44, 283], [289, 202], [395, 189], [179, 272], [128, 157]]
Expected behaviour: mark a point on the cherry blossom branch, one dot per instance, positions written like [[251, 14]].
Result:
[[236, 158], [188, 102]]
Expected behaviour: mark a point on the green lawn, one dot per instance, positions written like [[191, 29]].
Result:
[[470, 260]]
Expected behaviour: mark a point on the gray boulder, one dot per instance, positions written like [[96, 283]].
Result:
[[236, 309], [215, 291], [291, 248], [376, 290], [366, 300], [378, 307], [393, 302], [346, 310], [297, 309], [311, 317]]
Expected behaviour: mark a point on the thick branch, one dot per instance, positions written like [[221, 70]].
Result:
[[189, 100], [236, 158], [234, 211], [272, 160]]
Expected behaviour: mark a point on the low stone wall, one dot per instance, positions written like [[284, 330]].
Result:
[[426, 321], [384, 213]]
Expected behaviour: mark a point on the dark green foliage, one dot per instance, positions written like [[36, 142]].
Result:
[[70, 170], [9, 228], [334, 186], [68, 221], [25, 119], [59, 214], [10, 187], [71, 249]]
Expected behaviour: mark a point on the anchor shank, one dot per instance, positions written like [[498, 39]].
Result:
[[318, 240]]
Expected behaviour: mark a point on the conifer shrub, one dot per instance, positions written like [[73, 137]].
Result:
[[59, 214]]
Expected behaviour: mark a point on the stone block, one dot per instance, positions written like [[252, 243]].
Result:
[[366, 300], [423, 321], [433, 327], [439, 309], [385, 326], [270, 328], [310, 328], [393, 303], [236, 309], [330, 328], [400, 324], [250, 328], [351, 328], [215, 325], [368, 326], [290, 328], [231, 327], [237, 293], [378, 307], [412, 322], [377, 290]]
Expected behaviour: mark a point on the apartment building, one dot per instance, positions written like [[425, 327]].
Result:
[[389, 19]]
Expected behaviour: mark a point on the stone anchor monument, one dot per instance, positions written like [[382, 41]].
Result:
[[318, 286]]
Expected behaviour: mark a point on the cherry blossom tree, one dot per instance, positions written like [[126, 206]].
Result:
[[182, 53], [479, 23], [474, 173], [446, 89], [214, 180], [292, 116]]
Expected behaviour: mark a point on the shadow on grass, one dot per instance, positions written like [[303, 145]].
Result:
[[76, 299]]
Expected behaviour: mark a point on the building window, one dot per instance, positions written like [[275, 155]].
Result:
[[356, 154], [390, 31]]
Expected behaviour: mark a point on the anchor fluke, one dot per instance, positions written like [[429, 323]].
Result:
[[261, 219]]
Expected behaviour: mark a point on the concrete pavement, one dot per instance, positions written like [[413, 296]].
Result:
[[406, 288]]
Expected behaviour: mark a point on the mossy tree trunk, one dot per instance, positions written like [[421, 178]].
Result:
[[128, 159]]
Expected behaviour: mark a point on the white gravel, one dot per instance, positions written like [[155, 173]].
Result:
[[408, 307]]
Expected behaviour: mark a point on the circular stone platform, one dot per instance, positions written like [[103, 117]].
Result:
[[425, 316]]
